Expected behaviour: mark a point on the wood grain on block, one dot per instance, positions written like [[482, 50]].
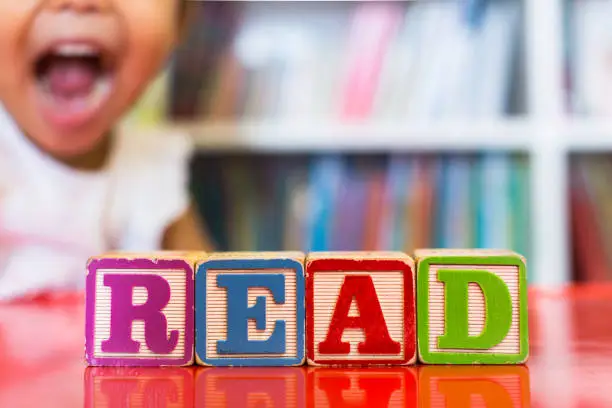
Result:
[[476, 305], [174, 312], [250, 309], [109, 387], [482, 387], [389, 287], [360, 308], [485, 294], [216, 313], [139, 311]]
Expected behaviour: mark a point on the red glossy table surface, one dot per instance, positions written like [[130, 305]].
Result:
[[41, 365]]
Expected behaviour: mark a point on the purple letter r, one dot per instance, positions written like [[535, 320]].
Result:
[[124, 312]]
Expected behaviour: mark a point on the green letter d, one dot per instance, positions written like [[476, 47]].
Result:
[[498, 309]]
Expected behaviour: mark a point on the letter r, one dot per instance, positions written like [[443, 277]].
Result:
[[124, 313]]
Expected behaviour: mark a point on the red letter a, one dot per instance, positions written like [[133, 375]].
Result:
[[370, 319]]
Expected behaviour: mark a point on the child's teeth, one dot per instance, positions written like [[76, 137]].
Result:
[[75, 50]]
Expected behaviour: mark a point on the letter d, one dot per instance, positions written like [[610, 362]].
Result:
[[498, 309]]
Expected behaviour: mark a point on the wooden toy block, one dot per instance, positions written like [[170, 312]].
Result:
[[250, 309], [472, 307], [362, 387], [139, 387], [223, 387], [139, 309], [479, 386], [360, 308]]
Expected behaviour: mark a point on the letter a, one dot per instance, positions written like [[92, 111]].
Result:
[[370, 319]]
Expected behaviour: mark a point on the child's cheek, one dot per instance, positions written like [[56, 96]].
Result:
[[151, 32], [15, 18]]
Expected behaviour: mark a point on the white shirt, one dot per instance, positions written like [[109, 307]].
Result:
[[53, 218]]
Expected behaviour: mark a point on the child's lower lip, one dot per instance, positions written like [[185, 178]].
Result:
[[68, 114]]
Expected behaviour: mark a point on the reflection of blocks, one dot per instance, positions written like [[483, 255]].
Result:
[[362, 387], [138, 387], [360, 308], [140, 310], [479, 386], [250, 309], [250, 387], [472, 307]]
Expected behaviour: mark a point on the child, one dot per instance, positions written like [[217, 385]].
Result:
[[69, 187]]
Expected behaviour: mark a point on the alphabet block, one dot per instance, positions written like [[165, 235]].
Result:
[[360, 308], [139, 310], [250, 309], [480, 386], [472, 307]]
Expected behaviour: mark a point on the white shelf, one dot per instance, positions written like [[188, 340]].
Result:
[[588, 135], [359, 137], [572, 135]]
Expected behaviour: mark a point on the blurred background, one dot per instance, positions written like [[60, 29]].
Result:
[[398, 125]]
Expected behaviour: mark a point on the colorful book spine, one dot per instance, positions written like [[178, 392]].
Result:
[[396, 194], [494, 215], [590, 254], [325, 178], [372, 31]]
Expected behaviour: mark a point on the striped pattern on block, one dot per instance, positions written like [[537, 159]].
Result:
[[389, 287], [476, 305], [130, 279], [174, 312], [484, 287], [360, 308], [216, 313], [221, 282]]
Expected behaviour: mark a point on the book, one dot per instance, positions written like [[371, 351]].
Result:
[[326, 175], [372, 30], [494, 203], [590, 255], [397, 192]]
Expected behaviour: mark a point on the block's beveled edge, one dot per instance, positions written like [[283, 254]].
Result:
[[335, 264], [427, 357], [203, 267], [93, 265]]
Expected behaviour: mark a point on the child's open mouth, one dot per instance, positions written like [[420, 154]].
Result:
[[73, 81]]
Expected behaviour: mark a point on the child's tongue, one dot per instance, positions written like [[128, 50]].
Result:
[[70, 78]]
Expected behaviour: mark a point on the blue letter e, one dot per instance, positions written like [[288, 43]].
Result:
[[239, 313]]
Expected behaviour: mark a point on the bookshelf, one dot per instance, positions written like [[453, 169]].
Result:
[[544, 132]]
